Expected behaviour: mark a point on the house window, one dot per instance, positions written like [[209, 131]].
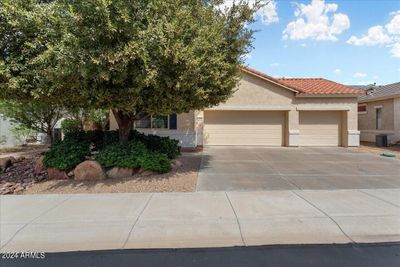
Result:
[[362, 108], [378, 118], [144, 122], [160, 122], [153, 122]]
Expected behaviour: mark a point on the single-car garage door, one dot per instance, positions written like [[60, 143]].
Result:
[[244, 128], [320, 128]]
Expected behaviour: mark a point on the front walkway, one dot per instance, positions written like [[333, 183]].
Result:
[[52, 223]]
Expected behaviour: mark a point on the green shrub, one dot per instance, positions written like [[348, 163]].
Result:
[[71, 126], [66, 154], [155, 143], [101, 139], [133, 154], [122, 154], [156, 162]]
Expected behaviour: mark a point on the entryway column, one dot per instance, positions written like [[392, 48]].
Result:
[[198, 126], [351, 134], [292, 129]]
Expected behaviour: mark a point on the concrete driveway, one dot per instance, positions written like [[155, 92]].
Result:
[[284, 168]]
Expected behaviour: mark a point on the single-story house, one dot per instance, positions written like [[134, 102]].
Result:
[[265, 111], [7, 138], [379, 113]]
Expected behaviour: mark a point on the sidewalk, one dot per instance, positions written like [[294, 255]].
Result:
[[53, 223]]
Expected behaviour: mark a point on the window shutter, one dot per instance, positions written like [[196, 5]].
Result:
[[172, 121]]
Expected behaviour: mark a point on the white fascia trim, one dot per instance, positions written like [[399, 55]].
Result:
[[356, 132], [378, 131], [303, 95], [323, 108], [380, 106], [261, 108], [261, 77]]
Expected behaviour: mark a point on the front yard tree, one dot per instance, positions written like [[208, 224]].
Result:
[[134, 57], [40, 118]]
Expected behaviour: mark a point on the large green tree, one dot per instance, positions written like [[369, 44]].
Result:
[[40, 118], [133, 57]]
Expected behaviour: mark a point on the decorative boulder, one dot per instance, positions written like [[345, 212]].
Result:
[[118, 172], [55, 174], [5, 163], [39, 166], [143, 172], [89, 170], [175, 164]]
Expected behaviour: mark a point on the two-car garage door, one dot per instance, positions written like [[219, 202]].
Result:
[[267, 128], [264, 128]]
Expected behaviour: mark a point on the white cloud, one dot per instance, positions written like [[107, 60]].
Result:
[[359, 75], [388, 35], [304, 45], [375, 77], [267, 14], [376, 36], [395, 50], [316, 21], [337, 71], [393, 27], [247, 56], [274, 64]]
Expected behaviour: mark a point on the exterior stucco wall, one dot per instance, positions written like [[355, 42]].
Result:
[[332, 103], [254, 93], [367, 121]]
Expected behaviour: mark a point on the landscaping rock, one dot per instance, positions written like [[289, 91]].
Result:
[[19, 189], [89, 170], [143, 172], [118, 172], [20, 175], [39, 166], [5, 163], [55, 174], [175, 164]]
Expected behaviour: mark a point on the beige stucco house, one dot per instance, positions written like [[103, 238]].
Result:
[[265, 111], [379, 113]]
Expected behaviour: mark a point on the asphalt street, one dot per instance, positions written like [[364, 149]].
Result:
[[378, 254]]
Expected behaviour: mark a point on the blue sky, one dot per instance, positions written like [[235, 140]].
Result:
[[351, 42]]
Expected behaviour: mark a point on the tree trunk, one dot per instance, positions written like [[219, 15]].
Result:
[[125, 123], [49, 134]]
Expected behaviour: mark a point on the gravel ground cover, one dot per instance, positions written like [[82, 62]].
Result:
[[183, 179]]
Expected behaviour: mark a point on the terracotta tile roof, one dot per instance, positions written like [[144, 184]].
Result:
[[318, 86], [315, 86]]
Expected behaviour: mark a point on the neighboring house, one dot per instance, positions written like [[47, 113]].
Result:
[[7, 138], [265, 111], [379, 113]]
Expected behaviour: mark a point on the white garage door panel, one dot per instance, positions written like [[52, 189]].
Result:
[[244, 128], [320, 128]]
